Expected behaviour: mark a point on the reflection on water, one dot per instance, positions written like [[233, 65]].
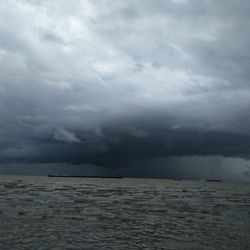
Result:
[[71, 213]]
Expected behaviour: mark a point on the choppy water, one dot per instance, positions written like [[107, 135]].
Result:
[[64, 213]]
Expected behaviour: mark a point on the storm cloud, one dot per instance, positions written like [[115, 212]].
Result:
[[113, 83]]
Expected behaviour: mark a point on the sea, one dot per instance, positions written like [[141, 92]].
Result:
[[128, 213]]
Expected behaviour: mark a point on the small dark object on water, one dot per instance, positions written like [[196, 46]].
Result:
[[213, 180]]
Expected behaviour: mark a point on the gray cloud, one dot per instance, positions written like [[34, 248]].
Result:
[[126, 81], [66, 136]]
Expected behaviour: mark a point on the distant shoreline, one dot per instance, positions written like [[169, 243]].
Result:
[[113, 177], [85, 176]]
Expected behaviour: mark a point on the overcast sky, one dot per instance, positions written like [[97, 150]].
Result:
[[122, 84]]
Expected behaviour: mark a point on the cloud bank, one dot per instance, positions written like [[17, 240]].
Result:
[[115, 82]]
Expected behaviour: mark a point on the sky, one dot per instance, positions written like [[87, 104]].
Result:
[[155, 88]]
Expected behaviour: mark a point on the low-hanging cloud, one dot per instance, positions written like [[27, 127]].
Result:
[[66, 136]]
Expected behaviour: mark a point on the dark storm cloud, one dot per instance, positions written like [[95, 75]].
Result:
[[114, 83]]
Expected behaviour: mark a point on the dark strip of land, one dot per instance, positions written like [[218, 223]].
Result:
[[84, 176]]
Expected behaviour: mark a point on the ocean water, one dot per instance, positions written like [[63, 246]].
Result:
[[85, 213]]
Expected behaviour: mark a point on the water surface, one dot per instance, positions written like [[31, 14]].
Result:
[[73, 213]]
